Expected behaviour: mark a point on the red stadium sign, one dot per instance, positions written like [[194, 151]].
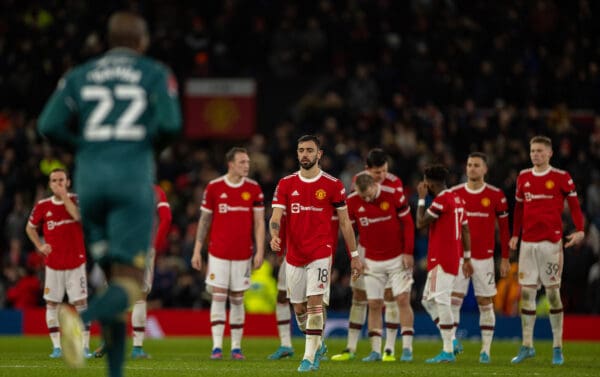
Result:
[[220, 108]]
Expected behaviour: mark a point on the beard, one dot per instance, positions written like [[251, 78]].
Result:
[[306, 165]]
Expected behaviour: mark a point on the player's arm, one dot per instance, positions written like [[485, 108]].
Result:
[[502, 218], [350, 239], [408, 236], [201, 232], [165, 99], [54, 120], [466, 243], [424, 218], [259, 236], [32, 232], [71, 207], [576, 214], [275, 227], [163, 210]]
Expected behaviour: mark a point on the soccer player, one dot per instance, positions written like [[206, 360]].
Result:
[[386, 229], [448, 237], [233, 210], [309, 198], [376, 167], [123, 104], [484, 204], [139, 312], [64, 250], [540, 194]]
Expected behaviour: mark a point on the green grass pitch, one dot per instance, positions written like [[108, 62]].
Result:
[[28, 356]]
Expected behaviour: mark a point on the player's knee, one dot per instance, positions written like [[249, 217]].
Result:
[[388, 295], [554, 297], [375, 305], [359, 295], [403, 300]]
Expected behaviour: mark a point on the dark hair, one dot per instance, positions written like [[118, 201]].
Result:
[[55, 170], [376, 158], [230, 155], [542, 140], [436, 173], [306, 138], [363, 181], [481, 155]]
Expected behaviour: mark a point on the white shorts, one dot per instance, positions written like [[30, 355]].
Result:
[[73, 282], [281, 281], [360, 282], [381, 274], [149, 271], [438, 286], [310, 280], [484, 278], [233, 275], [540, 262]]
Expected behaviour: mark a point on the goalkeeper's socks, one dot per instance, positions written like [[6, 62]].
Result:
[[115, 347]]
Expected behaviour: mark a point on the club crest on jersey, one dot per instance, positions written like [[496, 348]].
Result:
[[46, 290], [139, 260], [320, 194], [246, 195], [549, 184], [211, 276], [384, 206], [485, 202]]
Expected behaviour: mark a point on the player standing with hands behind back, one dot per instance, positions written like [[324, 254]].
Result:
[[541, 193], [124, 104], [309, 198]]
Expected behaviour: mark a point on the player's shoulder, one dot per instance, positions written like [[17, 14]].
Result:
[[329, 177], [387, 189], [528, 171], [289, 177], [393, 178], [251, 182], [353, 196], [457, 188], [216, 181], [44, 201], [493, 189], [559, 171]]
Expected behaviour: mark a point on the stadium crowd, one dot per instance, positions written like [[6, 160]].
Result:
[[424, 80]]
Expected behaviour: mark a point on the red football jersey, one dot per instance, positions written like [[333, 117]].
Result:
[[232, 207], [390, 180], [445, 233], [163, 212], [379, 223], [482, 207], [309, 205], [540, 202], [61, 231]]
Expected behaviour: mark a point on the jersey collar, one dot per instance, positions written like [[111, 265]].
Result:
[[310, 180], [542, 173], [233, 185], [478, 191]]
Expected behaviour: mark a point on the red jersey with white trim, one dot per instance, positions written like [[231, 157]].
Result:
[[309, 205], [163, 211], [542, 197], [482, 207], [390, 180], [232, 207], [380, 223], [60, 231], [445, 233]]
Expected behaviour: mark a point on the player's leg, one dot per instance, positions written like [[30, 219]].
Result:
[[54, 291], [528, 279], [440, 287], [239, 282], [119, 236], [76, 283], [461, 285], [375, 325], [139, 313], [392, 324], [358, 315], [217, 282], [551, 256], [283, 316], [484, 284], [317, 285], [401, 281]]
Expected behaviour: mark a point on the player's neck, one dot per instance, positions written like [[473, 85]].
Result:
[[310, 173], [475, 185], [541, 168], [234, 178]]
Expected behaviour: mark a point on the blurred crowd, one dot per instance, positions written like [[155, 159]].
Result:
[[426, 80]]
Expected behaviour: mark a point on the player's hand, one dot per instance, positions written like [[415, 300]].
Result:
[[512, 243], [467, 268], [46, 249], [197, 261], [422, 190], [574, 238], [275, 244], [504, 267], [357, 267], [59, 190], [408, 261], [257, 262]]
